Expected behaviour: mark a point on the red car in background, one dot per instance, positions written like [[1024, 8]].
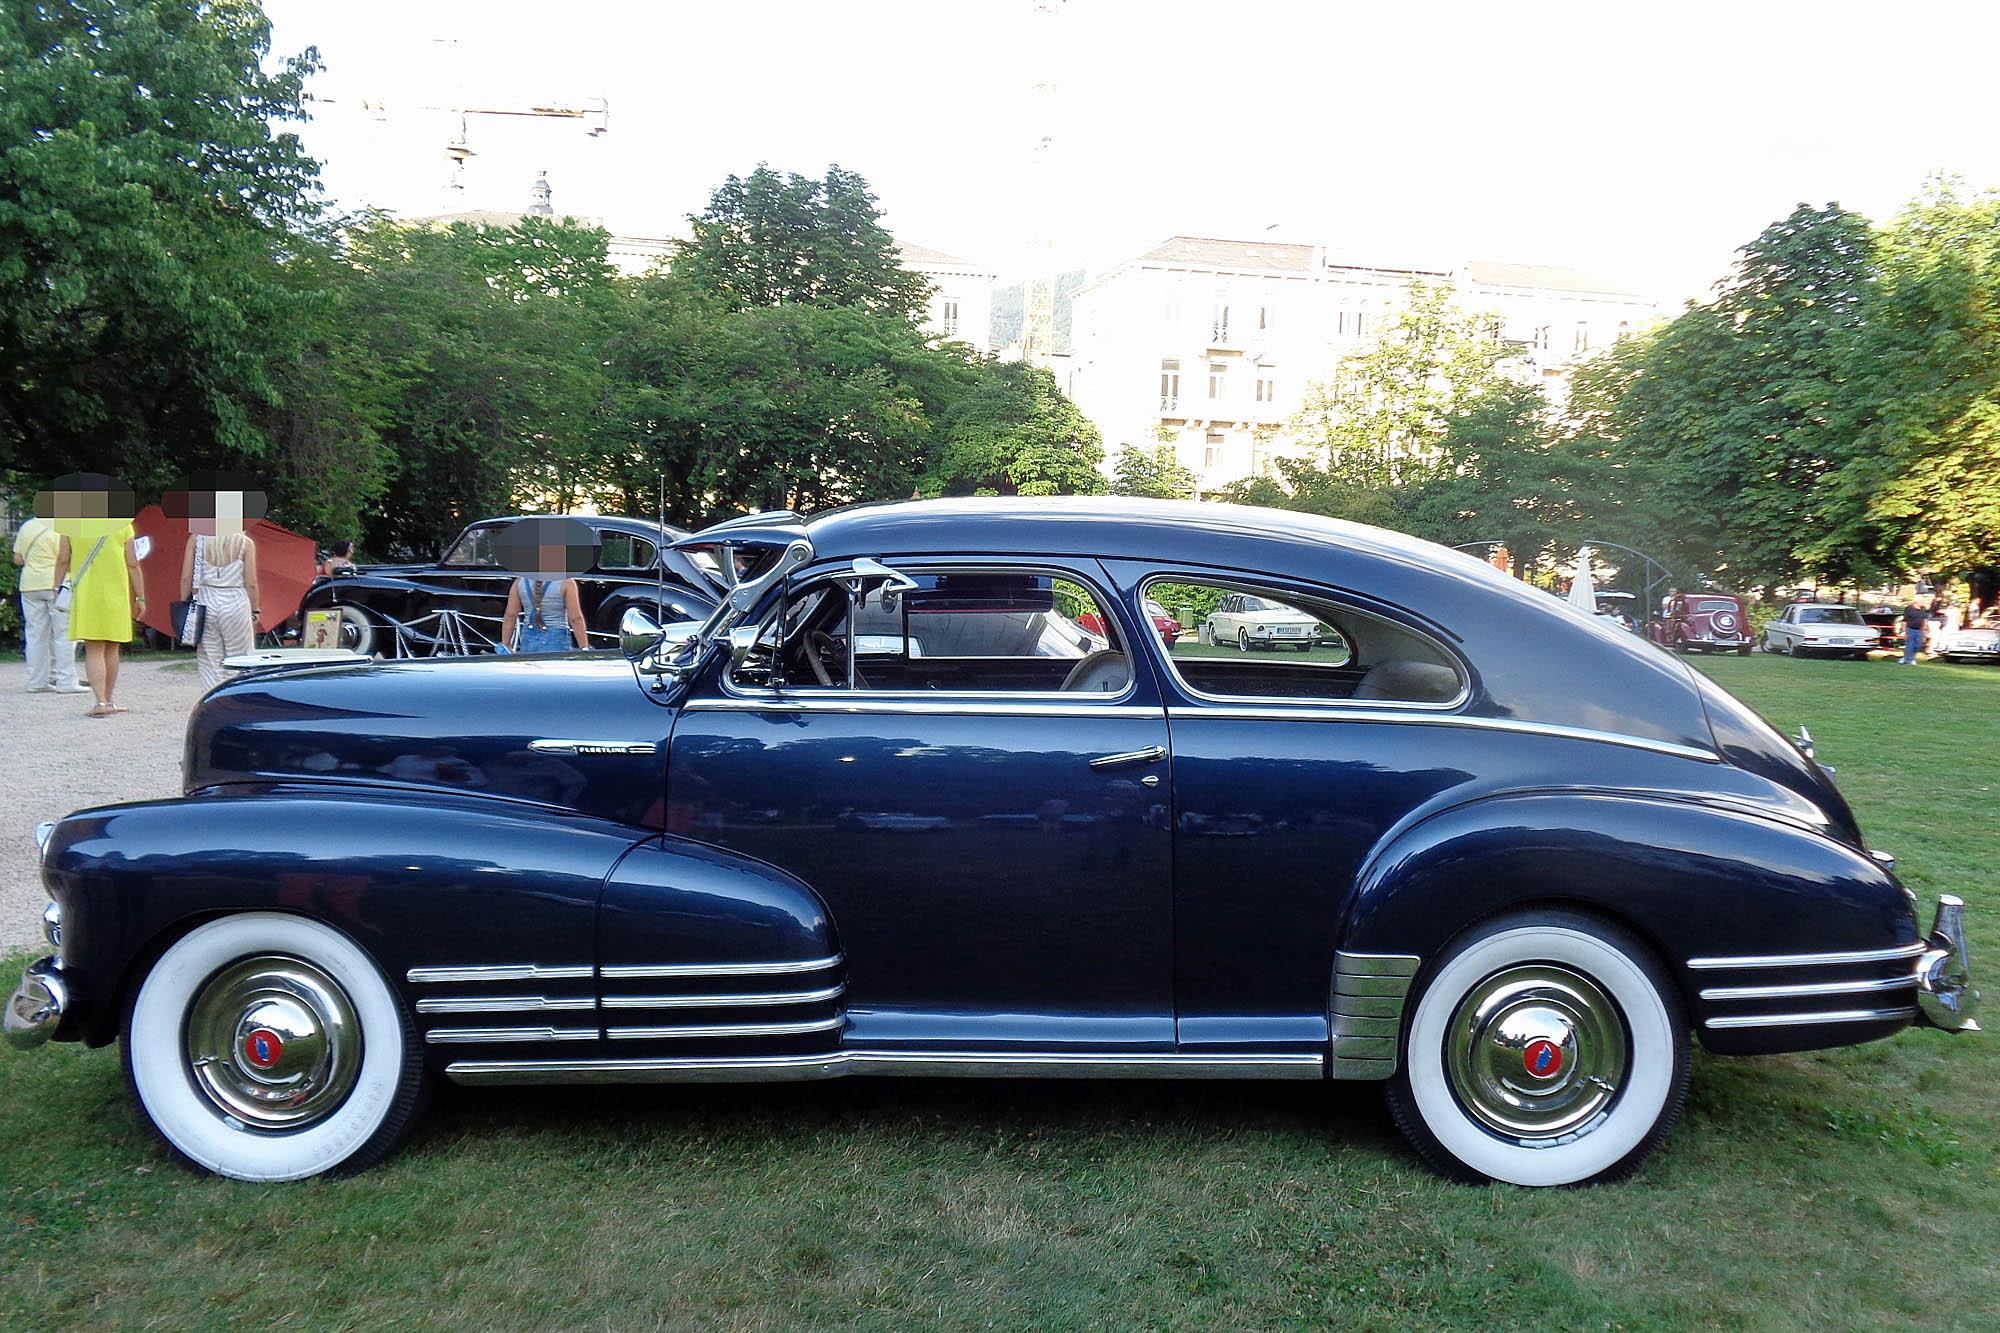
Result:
[[1713, 622], [1169, 628]]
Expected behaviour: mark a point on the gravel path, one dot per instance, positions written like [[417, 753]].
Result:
[[58, 760]]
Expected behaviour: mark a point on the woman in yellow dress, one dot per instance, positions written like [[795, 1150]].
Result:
[[106, 596]]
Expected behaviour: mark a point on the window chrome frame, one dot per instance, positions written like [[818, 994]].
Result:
[[1295, 703]]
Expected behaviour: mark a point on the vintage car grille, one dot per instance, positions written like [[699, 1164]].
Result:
[[691, 1005], [1800, 990]]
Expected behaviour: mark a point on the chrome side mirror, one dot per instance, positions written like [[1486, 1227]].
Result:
[[638, 633]]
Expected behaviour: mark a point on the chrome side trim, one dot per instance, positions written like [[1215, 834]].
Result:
[[503, 1004], [1807, 988], [500, 972], [558, 745], [1369, 992], [887, 703], [720, 1001], [643, 970], [443, 1036], [1331, 712], [677, 1033], [1905, 1013], [908, 1064], [1757, 960]]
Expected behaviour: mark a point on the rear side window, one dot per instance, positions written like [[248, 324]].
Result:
[[1247, 642], [624, 550]]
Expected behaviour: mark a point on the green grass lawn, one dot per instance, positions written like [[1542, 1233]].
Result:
[[1847, 1189]]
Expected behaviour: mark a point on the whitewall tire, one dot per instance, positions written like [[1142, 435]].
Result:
[[265, 1046], [1545, 1048]]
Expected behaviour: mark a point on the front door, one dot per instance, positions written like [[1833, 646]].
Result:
[[993, 847]]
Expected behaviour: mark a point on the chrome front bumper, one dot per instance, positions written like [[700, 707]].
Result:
[[36, 1007], [1945, 995]]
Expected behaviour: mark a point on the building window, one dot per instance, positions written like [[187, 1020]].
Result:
[[1493, 330], [1217, 370], [1582, 336], [1170, 385], [1624, 327], [1541, 339], [1263, 318], [1218, 327], [1267, 385], [948, 318], [1211, 453], [1360, 322]]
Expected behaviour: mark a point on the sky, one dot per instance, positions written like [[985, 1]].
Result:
[[1641, 143]]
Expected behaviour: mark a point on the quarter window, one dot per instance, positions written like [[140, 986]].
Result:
[[624, 550], [1265, 643]]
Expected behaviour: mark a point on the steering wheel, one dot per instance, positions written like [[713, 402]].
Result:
[[818, 645]]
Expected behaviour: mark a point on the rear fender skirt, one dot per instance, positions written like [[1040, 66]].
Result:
[[1695, 881]]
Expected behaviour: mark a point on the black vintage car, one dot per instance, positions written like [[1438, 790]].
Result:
[[454, 606], [893, 809]]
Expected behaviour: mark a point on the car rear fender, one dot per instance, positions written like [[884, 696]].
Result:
[[1693, 880]]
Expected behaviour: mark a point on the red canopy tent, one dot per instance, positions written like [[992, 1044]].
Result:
[[286, 564]]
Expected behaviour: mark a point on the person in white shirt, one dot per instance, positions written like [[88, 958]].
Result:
[[44, 628]]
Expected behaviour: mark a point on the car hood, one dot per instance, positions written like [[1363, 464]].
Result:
[[574, 730]]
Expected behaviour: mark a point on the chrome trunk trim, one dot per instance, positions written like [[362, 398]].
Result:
[[726, 1030], [500, 972], [721, 1001], [650, 970], [906, 1064], [1903, 1014], [1753, 961]]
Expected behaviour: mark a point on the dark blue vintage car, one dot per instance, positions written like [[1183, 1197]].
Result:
[[894, 809]]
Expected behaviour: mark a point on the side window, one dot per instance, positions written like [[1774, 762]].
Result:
[[1264, 643], [980, 630], [474, 550], [624, 550]]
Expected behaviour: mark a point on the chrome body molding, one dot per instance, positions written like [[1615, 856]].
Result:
[[655, 970], [444, 1036], [1751, 962], [891, 703], [503, 1004], [560, 745], [1898, 1015], [1366, 1007], [501, 972], [907, 1064], [684, 1032], [722, 1001], [1411, 715], [1808, 989]]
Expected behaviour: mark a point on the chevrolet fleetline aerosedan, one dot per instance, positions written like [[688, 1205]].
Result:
[[892, 809]]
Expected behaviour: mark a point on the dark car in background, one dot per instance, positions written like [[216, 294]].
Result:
[[890, 809], [454, 605], [1707, 622]]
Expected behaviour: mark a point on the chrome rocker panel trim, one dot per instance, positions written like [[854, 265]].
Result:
[[904, 1064]]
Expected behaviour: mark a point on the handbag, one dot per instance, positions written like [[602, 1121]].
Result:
[[190, 618], [64, 594]]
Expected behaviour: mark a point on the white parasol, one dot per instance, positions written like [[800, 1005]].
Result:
[[1583, 589]]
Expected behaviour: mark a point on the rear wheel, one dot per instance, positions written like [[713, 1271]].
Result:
[[1545, 1048], [1744, 651], [1243, 640], [264, 1046]]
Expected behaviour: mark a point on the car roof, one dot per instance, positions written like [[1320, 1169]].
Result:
[[644, 527]]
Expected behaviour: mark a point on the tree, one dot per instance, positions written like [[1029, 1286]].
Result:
[[1156, 473], [147, 207], [765, 240], [1014, 433]]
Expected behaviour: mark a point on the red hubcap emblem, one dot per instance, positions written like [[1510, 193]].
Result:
[[263, 1048], [1543, 1058]]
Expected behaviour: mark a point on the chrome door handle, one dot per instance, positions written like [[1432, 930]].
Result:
[[1151, 754]]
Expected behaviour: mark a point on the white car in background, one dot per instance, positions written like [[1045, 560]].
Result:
[[1820, 627], [1256, 622], [1974, 643]]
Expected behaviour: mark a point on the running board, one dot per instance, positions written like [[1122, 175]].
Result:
[[905, 1064]]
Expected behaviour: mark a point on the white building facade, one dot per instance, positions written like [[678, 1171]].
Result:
[[1208, 344], [961, 304]]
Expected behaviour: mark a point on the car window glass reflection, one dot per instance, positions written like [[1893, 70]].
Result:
[[474, 550], [1244, 643]]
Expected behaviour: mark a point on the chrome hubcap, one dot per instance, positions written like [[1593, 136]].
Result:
[[1536, 1051], [273, 1042]]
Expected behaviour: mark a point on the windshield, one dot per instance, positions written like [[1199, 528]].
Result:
[[474, 548]]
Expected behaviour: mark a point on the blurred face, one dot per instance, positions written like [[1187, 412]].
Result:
[[214, 505], [86, 505], [547, 547]]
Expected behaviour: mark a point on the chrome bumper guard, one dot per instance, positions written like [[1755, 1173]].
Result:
[[1945, 995], [37, 1005]]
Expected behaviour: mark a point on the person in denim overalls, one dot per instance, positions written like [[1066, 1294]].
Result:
[[543, 613]]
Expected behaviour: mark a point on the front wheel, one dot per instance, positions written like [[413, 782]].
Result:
[[1546, 1048], [1243, 640], [264, 1047]]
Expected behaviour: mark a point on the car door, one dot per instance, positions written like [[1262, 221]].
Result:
[[993, 848]]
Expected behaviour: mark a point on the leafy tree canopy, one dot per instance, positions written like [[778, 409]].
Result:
[[1014, 433], [1155, 473]]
